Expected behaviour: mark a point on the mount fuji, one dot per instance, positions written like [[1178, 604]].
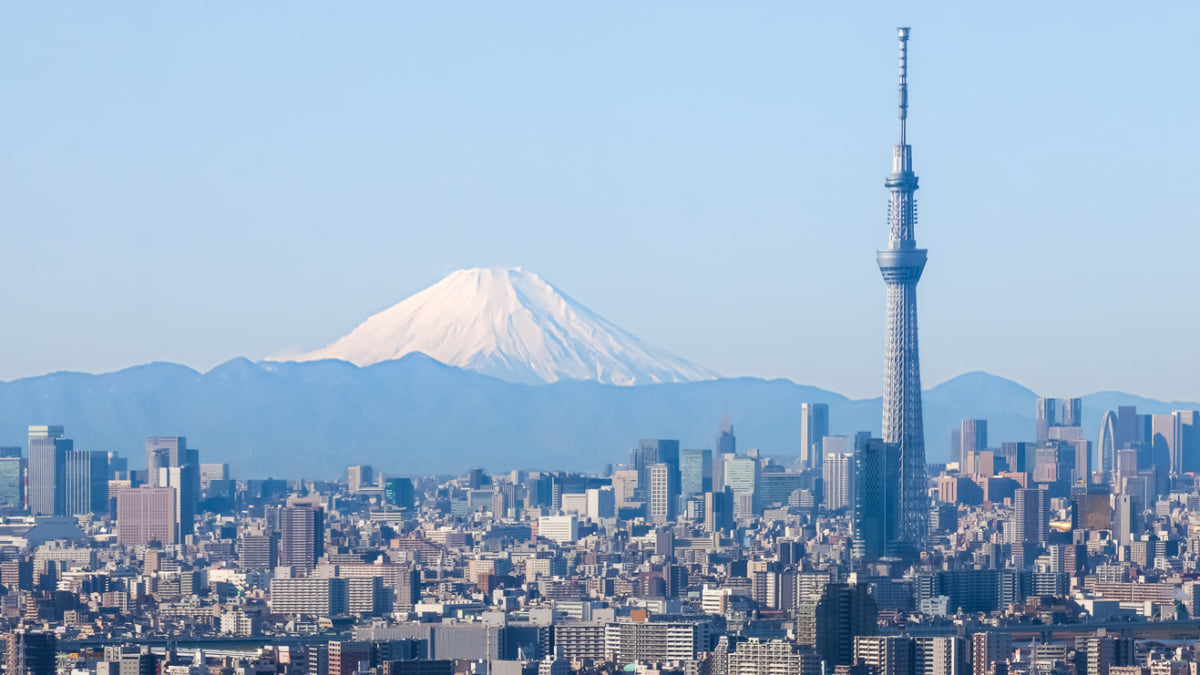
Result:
[[510, 324]]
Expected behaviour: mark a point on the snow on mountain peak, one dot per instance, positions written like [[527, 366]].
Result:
[[511, 324]]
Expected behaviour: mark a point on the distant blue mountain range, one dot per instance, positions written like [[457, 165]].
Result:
[[418, 416]]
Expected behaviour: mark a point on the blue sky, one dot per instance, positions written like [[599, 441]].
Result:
[[198, 181]]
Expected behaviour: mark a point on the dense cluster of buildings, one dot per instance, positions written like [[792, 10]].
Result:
[[712, 561]]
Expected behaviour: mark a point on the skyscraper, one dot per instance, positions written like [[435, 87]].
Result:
[[973, 438], [648, 453], [876, 498], [1031, 516], [838, 476], [1046, 418], [13, 471], [302, 536], [1106, 447], [814, 426], [663, 493], [901, 264], [86, 482], [1070, 412], [726, 445], [48, 470], [695, 472]]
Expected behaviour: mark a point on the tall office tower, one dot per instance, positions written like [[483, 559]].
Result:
[[741, 478], [649, 452], [1083, 460], [989, 648], [1046, 418], [1031, 516], [726, 441], [885, 654], [871, 527], [359, 476], [838, 476], [1174, 441], [1106, 447], [1126, 518], [48, 470], [695, 472], [718, 511], [302, 536], [146, 514], [183, 480], [13, 472], [1127, 426], [973, 438], [31, 653], [398, 492], [814, 427], [828, 622], [1070, 412], [664, 493], [901, 264], [86, 482], [164, 451]]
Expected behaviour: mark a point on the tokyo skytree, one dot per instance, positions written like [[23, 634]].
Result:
[[901, 264]]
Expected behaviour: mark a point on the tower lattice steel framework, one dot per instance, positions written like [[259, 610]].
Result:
[[901, 264]]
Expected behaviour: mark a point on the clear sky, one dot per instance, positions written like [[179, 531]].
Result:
[[193, 182]]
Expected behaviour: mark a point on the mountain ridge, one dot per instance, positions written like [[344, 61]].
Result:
[[416, 415]]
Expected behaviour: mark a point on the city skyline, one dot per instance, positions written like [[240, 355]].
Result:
[[805, 185]]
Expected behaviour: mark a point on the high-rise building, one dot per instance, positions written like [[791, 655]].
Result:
[[85, 482], [31, 653], [664, 493], [1070, 412], [13, 474], [301, 536], [876, 475], [741, 477], [164, 451], [901, 264], [649, 452], [695, 472], [259, 551], [726, 441], [718, 511], [398, 492], [939, 655], [838, 477], [1174, 440], [48, 470], [885, 654], [814, 427], [973, 438], [988, 648], [1106, 447], [1129, 431], [830, 620], [1031, 516], [146, 514], [183, 480], [359, 476], [1046, 418]]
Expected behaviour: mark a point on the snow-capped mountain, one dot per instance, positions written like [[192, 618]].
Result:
[[511, 324]]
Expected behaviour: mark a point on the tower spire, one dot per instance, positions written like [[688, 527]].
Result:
[[903, 81]]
